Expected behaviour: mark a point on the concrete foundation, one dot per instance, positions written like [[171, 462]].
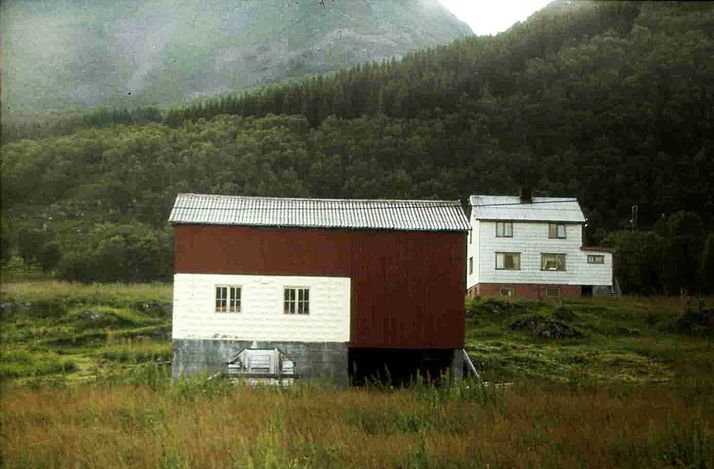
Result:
[[313, 360], [457, 366]]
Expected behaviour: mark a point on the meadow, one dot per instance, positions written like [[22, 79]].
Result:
[[577, 383]]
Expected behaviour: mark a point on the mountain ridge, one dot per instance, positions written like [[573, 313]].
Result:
[[162, 52]]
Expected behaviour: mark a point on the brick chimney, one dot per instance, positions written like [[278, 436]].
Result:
[[526, 195]]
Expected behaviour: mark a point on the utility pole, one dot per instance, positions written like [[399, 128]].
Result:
[[633, 218]]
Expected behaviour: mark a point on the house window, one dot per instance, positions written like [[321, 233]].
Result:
[[552, 261], [296, 300], [556, 230], [471, 265], [596, 259], [508, 261], [228, 299], [506, 291], [504, 229], [471, 236], [552, 291]]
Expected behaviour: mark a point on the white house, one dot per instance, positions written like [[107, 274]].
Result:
[[532, 247]]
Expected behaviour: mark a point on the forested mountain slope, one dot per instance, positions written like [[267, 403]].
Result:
[[609, 102], [59, 55]]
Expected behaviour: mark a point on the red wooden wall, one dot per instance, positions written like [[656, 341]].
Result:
[[407, 287]]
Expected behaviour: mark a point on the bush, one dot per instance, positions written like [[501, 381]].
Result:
[[545, 327], [113, 253], [698, 321]]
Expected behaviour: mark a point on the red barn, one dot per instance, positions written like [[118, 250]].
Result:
[[329, 287]]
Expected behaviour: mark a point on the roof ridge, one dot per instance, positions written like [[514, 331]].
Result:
[[316, 199]]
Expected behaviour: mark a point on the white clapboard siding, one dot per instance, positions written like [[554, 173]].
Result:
[[531, 240], [472, 277], [261, 316]]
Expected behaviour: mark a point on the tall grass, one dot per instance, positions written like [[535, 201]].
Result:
[[200, 423]]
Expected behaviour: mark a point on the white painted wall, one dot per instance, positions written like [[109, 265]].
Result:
[[531, 239], [261, 316], [472, 252]]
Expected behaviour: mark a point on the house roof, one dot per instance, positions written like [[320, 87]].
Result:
[[507, 207], [402, 215]]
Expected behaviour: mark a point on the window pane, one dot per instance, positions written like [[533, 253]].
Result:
[[289, 302], [504, 229], [221, 296], [508, 260], [552, 262], [561, 231], [234, 304]]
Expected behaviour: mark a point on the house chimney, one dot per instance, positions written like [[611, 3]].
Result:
[[526, 197]]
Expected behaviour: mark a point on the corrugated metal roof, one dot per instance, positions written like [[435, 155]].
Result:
[[506, 207], [403, 215]]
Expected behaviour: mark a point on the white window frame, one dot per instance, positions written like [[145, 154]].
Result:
[[504, 229], [228, 298], [543, 262], [549, 292], [557, 231], [518, 263], [596, 258], [296, 300]]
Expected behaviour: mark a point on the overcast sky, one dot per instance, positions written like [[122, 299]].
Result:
[[493, 16]]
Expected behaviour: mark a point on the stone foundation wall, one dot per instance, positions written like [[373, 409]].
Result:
[[313, 360]]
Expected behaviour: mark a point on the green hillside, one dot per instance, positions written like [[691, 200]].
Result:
[[63, 55], [608, 102]]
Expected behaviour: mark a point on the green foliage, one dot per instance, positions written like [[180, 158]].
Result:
[[672, 257], [30, 244], [50, 256], [604, 101], [119, 252], [707, 264], [627, 341], [15, 363]]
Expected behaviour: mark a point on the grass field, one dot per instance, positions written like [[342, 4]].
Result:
[[590, 383]]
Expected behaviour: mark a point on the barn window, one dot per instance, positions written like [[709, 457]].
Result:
[[228, 299], [596, 259], [556, 230], [552, 261], [471, 265], [508, 261], [296, 300], [504, 229], [552, 291]]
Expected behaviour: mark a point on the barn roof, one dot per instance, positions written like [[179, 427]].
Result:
[[506, 207], [402, 215]]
